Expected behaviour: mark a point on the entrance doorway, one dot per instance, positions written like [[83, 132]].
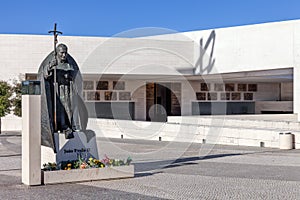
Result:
[[162, 100]]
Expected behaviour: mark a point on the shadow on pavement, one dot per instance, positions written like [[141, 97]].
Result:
[[163, 164]]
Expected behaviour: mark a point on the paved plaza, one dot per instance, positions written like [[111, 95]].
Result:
[[165, 170]]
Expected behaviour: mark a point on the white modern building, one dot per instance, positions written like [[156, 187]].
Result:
[[253, 69]]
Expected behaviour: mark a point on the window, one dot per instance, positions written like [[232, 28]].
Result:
[[252, 87], [225, 96], [205, 86], [102, 85], [118, 85], [219, 87], [242, 87], [201, 96], [124, 96], [212, 96], [248, 96], [88, 85], [229, 87], [235, 96]]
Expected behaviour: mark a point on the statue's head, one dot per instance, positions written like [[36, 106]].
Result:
[[62, 52]]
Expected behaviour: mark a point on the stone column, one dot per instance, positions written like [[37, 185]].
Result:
[[31, 139]]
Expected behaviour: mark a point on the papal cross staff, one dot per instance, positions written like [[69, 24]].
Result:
[[55, 34]]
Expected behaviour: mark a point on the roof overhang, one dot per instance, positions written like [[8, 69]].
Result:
[[272, 75]]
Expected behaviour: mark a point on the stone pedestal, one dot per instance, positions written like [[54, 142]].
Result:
[[83, 144], [47, 155], [31, 139]]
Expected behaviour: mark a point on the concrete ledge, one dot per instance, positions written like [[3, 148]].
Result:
[[92, 174], [222, 133], [11, 123]]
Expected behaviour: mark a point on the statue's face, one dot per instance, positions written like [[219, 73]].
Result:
[[62, 54]]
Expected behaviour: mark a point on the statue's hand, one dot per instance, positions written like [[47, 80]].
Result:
[[52, 64]]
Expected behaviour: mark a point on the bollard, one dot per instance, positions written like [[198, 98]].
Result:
[[286, 140]]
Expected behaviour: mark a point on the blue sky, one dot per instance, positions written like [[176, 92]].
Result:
[[110, 17]]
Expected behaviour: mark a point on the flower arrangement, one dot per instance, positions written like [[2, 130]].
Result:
[[82, 163]]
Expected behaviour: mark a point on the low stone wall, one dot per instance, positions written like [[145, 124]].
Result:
[[215, 132], [11, 123], [246, 132]]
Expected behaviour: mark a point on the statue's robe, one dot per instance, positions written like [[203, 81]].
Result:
[[70, 108]]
